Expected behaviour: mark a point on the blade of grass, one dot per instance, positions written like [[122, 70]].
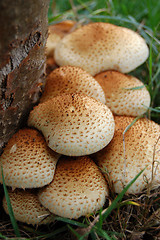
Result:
[[130, 125], [100, 222], [157, 109], [51, 235], [10, 210], [93, 235], [69, 221], [150, 84], [2, 237], [135, 88], [104, 234], [120, 196], [124, 147], [128, 203], [80, 237]]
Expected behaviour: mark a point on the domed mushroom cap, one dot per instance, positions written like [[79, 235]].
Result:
[[121, 97], [27, 208], [73, 124], [69, 79], [97, 47], [140, 144], [78, 188], [56, 33], [27, 160]]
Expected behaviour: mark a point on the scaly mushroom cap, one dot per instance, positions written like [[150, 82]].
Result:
[[77, 189], [56, 33], [27, 208], [97, 47], [73, 124], [140, 141], [121, 97], [27, 160], [69, 79]]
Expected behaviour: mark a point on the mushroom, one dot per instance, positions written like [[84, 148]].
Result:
[[78, 188], [73, 124], [69, 79], [56, 33], [27, 160], [125, 95], [27, 208], [121, 165], [97, 47]]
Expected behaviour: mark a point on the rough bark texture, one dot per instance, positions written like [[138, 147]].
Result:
[[23, 33]]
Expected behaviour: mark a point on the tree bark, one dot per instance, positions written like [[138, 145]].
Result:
[[23, 33]]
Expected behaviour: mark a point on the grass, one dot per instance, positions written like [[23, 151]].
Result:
[[123, 216]]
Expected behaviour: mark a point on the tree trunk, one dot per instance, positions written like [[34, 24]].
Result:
[[23, 33]]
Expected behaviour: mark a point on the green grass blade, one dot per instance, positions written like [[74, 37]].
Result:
[[150, 84], [135, 88], [79, 237], [103, 234], [100, 222], [119, 197], [10, 210], [93, 235], [128, 203], [69, 221], [51, 235], [154, 109], [2, 237], [130, 125]]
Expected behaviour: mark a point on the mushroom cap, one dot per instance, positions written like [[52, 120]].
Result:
[[120, 97], [77, 189], [27, 208], [140, 141], [73, 124], [56, 33], [27, 160], [97, 47], [69, 79]]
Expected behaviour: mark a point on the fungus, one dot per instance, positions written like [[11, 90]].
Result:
[[73, 124], [125, 95], [27, 208], [78, 188], [69, 79], [97, 47], [56, 33], [141, 150], [27, 160]]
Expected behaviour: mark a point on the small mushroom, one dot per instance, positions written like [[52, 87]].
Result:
[[27, 160], [73, 124], [121, 164], [56, 33], [97, 47], [125, 95], [69, 79], [78, 188], [27, 208]]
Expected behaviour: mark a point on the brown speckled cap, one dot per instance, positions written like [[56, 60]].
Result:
[[73, 124], [140, 141], [69, 79], [55, 33], [27, 160], [119, 98], [97, 47], [78, 188], [27, 208]]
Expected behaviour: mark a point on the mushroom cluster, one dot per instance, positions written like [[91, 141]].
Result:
[[61, 162]]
